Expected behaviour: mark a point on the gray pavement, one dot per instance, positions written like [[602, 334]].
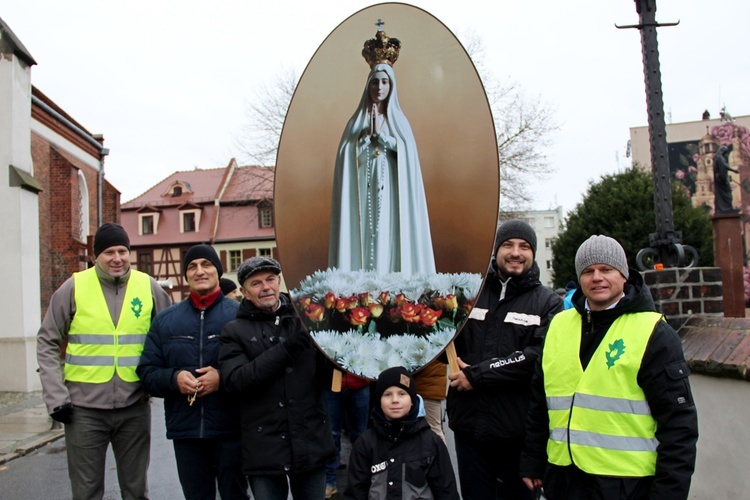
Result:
[[24, 424]]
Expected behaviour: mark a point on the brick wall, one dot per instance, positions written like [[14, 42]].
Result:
[[680, 293], [61, 251]]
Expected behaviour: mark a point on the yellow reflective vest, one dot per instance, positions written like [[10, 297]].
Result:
[[599, 418], [96, 347]]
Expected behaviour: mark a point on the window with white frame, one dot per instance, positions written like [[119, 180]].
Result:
[[264, 252], [235, 259], [83, 208], [190, 221], [266, 216], [549, 222], [148, 223]]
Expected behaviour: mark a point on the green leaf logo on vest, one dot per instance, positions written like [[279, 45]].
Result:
[[616, 349], [136, 306]]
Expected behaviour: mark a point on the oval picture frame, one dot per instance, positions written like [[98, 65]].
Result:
[[440, 92]]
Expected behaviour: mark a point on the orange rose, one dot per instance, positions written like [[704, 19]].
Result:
[[384, 297], [315, 312], [394, 314], [467, 306], [438, 302], [450, 303], [400, 299], [304, 302], [330, 300], [358, 316], [352, 302], [376, 310], [341, 304], [428, 317], [410, 312], [364, 299]]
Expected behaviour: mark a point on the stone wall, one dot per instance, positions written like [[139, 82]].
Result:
[[682, 292]]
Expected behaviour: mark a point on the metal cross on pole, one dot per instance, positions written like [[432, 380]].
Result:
[[666, 248]]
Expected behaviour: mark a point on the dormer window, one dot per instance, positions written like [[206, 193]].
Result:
[[188, 222], [148, 221], [190, 218], [177, 189], [265, 214]]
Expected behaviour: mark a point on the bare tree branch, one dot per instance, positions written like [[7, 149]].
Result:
[[524, 127]]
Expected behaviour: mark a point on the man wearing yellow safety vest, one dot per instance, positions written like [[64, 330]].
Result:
[[103, 314], [612, 414]]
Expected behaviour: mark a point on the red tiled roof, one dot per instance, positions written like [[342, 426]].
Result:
[[240, 222], [250, 183], [235, 220], [203, 183]]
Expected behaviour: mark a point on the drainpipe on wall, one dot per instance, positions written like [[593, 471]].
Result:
[[89, 139], [100, 186]]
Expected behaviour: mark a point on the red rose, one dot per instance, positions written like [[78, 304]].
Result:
[[364, 299], [394, 314], [304, 302], [376, 310], [400, 299], [341, 305], [410, 312], [450, 303], [384, 297], [358, 316], [428, 317], [315, 312], [352, 302], [330, 300]]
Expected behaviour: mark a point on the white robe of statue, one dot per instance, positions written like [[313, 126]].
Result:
[[379, 218]]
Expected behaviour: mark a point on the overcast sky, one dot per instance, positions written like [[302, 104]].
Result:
[[167, 82]]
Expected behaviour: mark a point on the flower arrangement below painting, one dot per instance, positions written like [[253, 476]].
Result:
[[367, 322]]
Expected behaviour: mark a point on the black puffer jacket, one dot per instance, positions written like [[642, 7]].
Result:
[[663, 376], [400, 460], [182, 337], [284, 422], [502, 349]]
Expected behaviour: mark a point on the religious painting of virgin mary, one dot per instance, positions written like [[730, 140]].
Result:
[[385, 223]]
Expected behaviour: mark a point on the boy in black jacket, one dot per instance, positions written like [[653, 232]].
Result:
[[400, 457]]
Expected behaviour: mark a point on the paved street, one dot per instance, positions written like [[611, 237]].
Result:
[[43, 473]]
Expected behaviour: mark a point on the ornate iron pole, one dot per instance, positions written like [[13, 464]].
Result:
[[666, 246]]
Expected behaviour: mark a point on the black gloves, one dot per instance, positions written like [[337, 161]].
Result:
[[63, 413], [298, 342]]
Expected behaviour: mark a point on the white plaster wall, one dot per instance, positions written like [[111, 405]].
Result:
[[721, 470], [19, 244]]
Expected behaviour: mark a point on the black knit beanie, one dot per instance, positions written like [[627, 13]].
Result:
[[397, 376], [108, 235], [202, 252], [515, 228]]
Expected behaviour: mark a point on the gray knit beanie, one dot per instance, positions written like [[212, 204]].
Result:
[[255, 264], [600, 249], [515, 228]]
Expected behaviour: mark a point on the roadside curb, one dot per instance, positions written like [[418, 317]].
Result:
[[33, 443]]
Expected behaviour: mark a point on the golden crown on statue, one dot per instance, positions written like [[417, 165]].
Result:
[[381, 49]]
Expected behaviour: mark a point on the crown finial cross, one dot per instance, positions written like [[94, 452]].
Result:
[[380, 24]]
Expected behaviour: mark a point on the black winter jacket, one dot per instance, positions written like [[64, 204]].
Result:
[[284, 422], [663, 376], [501, 350], [400, 460], [182, 337]]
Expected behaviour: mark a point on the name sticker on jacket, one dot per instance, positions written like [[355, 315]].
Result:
[[478, 313], [523, 319]]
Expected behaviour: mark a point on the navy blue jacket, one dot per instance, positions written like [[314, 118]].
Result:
[[182, 337]]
